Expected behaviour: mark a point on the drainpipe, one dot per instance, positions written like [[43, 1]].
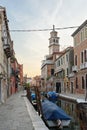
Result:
[[1, 77], [0, 89], [86, 94]]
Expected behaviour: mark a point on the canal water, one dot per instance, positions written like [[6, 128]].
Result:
[[70, 109]]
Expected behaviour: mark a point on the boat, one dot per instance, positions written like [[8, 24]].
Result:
[[53, 115], [33, 96], [33, 100], [52, 96]]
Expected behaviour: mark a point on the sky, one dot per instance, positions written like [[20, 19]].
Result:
[[31, 47]]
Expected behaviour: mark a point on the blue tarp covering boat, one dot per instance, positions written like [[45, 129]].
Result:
[[52, 96], [52, 112], [33, 96]]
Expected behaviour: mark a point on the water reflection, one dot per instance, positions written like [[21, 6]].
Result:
[[70, 109]]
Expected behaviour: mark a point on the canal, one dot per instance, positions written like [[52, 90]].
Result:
[[69, 106]]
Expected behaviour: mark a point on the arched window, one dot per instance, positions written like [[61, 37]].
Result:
[[75, 59], [82, 57], [85, 55], [83, 83], [54, 40], [76, 82]]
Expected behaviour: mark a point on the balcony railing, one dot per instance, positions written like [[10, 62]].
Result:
[[71, 75], [83, 65], [75, 68], [7, 50]]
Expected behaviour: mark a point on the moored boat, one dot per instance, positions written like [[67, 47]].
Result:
[[53, 115], [33, 100], [52, 96]]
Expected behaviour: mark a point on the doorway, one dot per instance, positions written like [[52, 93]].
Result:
[[58, 87]]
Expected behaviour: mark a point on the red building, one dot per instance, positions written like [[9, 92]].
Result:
[[16, 73]]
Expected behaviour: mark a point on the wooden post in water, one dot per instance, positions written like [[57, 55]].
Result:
[[28, 92], [38, 100]]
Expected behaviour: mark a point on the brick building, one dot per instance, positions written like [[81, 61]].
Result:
[[79, 81]]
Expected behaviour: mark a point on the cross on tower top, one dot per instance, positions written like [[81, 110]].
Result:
[[53, 27]]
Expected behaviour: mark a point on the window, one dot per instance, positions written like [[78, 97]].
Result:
[[85, 55], [86, 32], [83, 82], [75, 42], [61, 61], [67, 58], [58, 63], [76, 82], [67, 71], [54, 40], [75, 59], [52, 72], [81, 57], [82, 35]]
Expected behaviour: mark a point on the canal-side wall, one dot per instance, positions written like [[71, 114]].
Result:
[[72, 97]]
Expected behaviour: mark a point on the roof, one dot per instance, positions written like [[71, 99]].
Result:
[[47, 62], [64, 51], [79, 28]]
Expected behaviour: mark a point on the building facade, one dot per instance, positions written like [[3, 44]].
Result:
[[5, 54], [63, 68], [79, 81], [8, 63]]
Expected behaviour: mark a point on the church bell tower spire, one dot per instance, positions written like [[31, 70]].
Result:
[[53, 42]]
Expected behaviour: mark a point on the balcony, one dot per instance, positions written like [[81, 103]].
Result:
[[71, 75], [74, 68], [82, 66], [7, 50], [85, 65], [12, 59]]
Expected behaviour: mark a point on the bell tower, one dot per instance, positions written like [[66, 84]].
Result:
[[53, 42]]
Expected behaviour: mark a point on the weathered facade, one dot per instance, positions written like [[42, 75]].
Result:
[[63, 68], [8, 64], [5, 54], [79, 81]]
